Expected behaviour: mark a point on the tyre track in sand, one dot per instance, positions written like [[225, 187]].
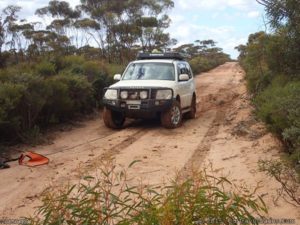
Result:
[[22, 186]]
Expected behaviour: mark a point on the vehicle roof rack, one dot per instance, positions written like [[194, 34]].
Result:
[[165, 55]]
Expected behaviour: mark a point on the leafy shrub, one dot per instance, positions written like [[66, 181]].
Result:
[[33, 96], [58, 105], [72, 64], [283, 173], [274, 82], [10, 97], [113, 69], [68, 95], [110, 199], [29, 101], [91, 69], [72, 60], [79, 91], [101, 76], [279, 106], [258, 81], [30, 96], [45, 69], [201, 64], [99, 84]]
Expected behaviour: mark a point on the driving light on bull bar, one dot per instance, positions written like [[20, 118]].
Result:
[[144, 94], [124, 94], [164, 94], [111, 94]]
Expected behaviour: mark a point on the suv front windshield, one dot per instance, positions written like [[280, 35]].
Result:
[[150, 71]]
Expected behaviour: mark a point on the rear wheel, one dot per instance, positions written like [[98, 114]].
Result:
[[192, 113], [172, 117], [113, 119]]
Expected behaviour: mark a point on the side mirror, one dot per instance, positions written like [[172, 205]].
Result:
[[184, 77], [117, 77]]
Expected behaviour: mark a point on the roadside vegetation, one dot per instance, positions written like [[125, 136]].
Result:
[[204, 55], [109, 198], [56, 72], [272, 64]]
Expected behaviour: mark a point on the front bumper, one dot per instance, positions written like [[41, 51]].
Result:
[[136, 107], [139, 108]]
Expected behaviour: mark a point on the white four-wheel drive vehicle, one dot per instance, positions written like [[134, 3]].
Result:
[[155, 85]]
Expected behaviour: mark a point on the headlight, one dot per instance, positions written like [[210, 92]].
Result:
[[144, 94], [111, 94], [163, 94], [124, 94]]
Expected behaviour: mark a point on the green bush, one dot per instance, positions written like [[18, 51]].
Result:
[[110, 199], [201, 64], [72, 60], [58, 105], [288, 178], [113, 69], [101, 76], [279, 106], [69, 95], [10, 97], [45, 68], [29, 92], [99, 84], [30, 101], [258, 81], [274, 82], [79, 91], [33, 96], [91, 69]]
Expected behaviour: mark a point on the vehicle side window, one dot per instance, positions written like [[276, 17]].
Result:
[[182, 68], [189, 72]]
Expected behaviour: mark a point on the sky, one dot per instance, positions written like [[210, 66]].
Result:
[[228, 22]]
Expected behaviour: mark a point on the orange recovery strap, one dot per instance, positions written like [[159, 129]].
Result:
[[34, 159]]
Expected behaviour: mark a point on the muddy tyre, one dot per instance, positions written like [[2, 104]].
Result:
[[112, 119], [192, 114], [172, 117]]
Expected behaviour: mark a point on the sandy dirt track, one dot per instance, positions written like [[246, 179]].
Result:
[[225, 134]]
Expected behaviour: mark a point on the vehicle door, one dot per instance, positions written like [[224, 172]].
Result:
[[191, 84], [184, 86]]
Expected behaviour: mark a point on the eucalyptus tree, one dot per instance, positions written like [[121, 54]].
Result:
[[63, 17], [242, 49], [12, 32], [199, 48], [284, 17], [8, 20], [129, 23], [285, 12], [86, 28]]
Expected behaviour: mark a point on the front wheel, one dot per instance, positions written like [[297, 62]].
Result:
[[113, 119], [172, 117]]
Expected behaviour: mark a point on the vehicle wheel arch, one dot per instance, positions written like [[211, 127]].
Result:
[[178, 98], [194, 97]]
